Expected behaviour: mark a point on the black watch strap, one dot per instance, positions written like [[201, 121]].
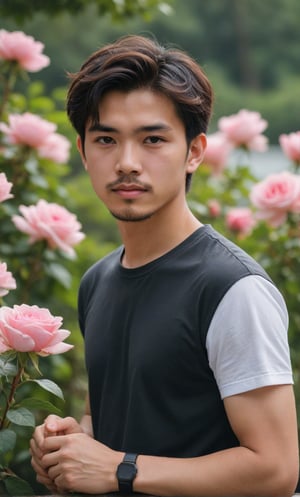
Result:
[[130, 458], [126, 473]]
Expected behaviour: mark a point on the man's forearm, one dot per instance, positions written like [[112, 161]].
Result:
[[232, 472]]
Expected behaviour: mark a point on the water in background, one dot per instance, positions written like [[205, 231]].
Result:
[[262, 164]]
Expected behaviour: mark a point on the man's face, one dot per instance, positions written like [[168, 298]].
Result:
[[137, 155]]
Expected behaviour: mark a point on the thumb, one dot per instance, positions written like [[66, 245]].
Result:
[[55, 425], [51, 425]]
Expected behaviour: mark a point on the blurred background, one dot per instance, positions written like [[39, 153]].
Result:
[[250, 51]]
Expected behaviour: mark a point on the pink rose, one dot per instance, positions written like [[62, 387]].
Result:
[[51, 222], [244, 130], [241, 220], [214, 208], [7, 281], [16, 46], [275, 196], [5, 187], [27, 328], [290, 145], [27, 129], [217, 152], [56, 147]]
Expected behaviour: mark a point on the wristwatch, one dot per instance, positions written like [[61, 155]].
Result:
[[126, 473]]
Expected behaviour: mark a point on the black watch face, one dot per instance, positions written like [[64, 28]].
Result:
[[126, 471]]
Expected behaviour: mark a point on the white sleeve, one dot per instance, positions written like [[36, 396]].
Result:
[[247, 340]]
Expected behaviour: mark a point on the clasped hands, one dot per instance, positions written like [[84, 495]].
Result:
[[66, 459]]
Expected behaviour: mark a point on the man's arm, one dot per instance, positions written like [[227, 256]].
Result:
[[265, 463]]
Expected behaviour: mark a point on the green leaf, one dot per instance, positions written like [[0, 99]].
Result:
[[7, 368], [16, 486], [40, 404], [59, 273], [35, 361], [50, 386], [7, 440], [21, 416]]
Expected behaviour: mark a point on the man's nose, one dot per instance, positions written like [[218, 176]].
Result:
[[128, 159]]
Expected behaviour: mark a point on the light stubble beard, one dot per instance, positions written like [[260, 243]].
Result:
[[131, 217]]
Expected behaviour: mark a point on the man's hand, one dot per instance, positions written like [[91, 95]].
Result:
[[52, 426], [76, 462]]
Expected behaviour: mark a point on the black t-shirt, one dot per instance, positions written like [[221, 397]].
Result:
[[151, 388]]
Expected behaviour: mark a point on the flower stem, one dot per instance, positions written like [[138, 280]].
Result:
[[10, 399], [9, 83]]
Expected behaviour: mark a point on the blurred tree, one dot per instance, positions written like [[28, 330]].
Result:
[[20, 10]]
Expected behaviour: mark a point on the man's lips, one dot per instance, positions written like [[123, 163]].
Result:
[[128, 190]]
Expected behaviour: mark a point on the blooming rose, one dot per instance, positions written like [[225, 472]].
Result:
[[7, 281], [51, 222], [56, 147], [217, 152], [290, 145], [27, 129], [244, 130], [5, 187], [240, 219], [214, 208], [26, 328], [17, 46], [275, 196]]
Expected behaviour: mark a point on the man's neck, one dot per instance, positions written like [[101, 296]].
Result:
[[145, 241]]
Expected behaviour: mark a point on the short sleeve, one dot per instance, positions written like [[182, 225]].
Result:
[[247, 340]]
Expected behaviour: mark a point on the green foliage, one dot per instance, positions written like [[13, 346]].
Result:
[[20, 10], [259, 71]]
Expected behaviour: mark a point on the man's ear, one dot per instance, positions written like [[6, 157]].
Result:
[[196, 152], [81, 151]]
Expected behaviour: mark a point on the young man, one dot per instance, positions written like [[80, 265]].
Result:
[[185, 335]]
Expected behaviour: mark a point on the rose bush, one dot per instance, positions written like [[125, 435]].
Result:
[[33, 159], [26, 332]]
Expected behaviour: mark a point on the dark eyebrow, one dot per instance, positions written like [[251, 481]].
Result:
[[147, 128], [101, 127]]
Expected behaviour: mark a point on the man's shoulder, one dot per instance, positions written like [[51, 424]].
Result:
[[223, 257]]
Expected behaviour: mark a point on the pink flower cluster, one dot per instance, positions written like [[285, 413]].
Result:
[[50, 222], [217, 152], [290, 145], [16, 46], [5, 188], [27, 328], [7, 281], [240, 220], [34, 131], [276, 196], [243, 129]]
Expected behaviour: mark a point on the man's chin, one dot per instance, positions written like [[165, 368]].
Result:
[[131, 217]]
